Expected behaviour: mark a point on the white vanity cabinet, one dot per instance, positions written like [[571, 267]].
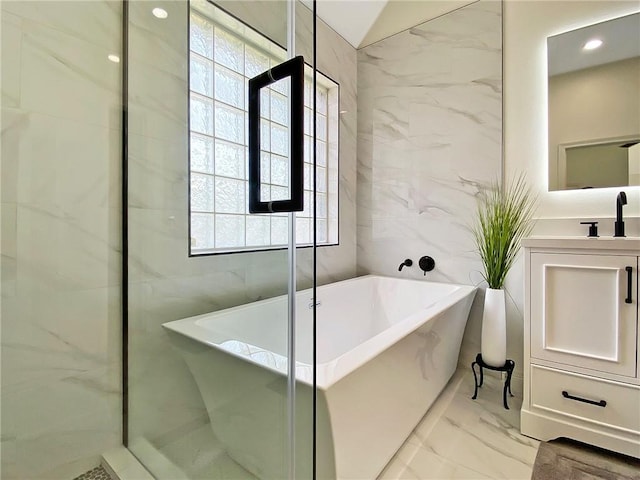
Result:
[[581, 352]]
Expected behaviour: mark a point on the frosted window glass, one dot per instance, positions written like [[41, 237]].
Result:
[[229, 123], [321, 153], [307, 205], [229, 230], [245, 97], [229, 51], [255, 62], [308, 84], [201, 115], [230, 195], [265, 103], [202, 230], [265, 135], [201, 75], [308, 127], [321, 179], [265, 177], [201, 192], [201, 153], [279, 170], [321, 127], [279, 193], [302, 230], [230, 159], [307, 176], [279, 109], [281, 86], [321, 101], [321, 231], [279, 140], [246, 128], [265, 167], [220, 65], [308, 149], [265, 193], [229, 87], [279, 230], [321, 205], [201, 36], [258, 230]]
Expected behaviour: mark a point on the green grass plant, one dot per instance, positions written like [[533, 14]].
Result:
[[505, 217]]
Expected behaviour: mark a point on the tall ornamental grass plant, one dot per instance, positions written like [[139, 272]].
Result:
[[505, 217]]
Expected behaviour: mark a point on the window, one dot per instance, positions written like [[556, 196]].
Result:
[[224, 54]]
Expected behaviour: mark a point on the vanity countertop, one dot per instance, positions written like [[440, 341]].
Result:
[[627, 244]]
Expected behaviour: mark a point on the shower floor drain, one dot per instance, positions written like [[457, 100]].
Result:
[[97, 473]]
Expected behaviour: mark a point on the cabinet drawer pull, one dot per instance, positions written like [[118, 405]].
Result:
[[601, 403], [629, 282]]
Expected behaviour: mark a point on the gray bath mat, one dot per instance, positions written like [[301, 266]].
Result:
[[568, 460]]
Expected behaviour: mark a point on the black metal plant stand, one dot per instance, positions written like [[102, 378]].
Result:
[[507, 367]]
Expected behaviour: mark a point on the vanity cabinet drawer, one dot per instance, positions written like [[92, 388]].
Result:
[[586, 398]]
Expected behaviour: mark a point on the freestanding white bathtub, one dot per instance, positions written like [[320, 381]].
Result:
[[386, 348]]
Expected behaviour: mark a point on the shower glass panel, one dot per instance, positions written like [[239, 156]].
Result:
[[219, 376]]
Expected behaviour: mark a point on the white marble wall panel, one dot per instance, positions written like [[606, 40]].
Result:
[[11, 50], [61, 331], [166, 284], [429, 140]]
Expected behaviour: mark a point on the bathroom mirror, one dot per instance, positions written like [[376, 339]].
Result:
[[594, 105]]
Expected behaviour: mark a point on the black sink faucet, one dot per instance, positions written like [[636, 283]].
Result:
[[619, 225]]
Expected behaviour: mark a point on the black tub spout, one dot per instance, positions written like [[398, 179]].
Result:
[[408, 262]]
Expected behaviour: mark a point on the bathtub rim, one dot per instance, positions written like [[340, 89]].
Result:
[[332, 371]]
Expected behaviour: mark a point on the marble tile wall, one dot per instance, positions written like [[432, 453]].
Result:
[[60, 349], [430, 139], [166, 284]]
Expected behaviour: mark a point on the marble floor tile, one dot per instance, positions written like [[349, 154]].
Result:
[[468, 439], [438, 467], [200, 456]]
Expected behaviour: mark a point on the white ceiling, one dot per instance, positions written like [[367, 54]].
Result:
[[351, 18], [621, 40], [363, 22]]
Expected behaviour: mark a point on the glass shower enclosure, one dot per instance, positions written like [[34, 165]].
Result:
[[219, 194]]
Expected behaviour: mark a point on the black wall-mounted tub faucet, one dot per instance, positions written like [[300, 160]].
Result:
[[427, 264], [619, 225], [407, 263]]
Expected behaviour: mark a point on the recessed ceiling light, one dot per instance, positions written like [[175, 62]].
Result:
[[159, 12], [114, 58], [592, 44]]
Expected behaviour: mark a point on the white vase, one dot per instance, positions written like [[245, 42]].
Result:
[[494, 328]]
